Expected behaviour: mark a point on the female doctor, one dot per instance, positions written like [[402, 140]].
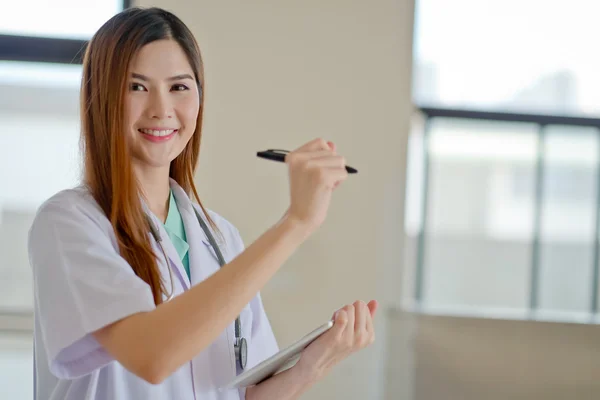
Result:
[[141, 293]]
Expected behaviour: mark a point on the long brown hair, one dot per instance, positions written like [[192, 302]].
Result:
[[107, 159]]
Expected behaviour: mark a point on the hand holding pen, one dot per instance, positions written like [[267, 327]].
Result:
[[279, 155], [315, 170]]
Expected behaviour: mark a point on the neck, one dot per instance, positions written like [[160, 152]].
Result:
[[154, 184]]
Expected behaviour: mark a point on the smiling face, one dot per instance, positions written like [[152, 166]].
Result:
[[161, 104]]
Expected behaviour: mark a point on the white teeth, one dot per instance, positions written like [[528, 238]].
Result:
[[157, 133]]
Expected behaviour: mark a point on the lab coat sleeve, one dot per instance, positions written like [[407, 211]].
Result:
[[81, 285]]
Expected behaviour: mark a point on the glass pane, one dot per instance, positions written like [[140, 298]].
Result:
[[27, 179], [67, 19], [17, 74], [16, 365], [479, 214], [568, 218], [529, 56]]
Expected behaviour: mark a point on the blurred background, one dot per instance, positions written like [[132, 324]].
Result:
[[474, 219]]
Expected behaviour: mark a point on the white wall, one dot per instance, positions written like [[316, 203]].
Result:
[[280, 74]]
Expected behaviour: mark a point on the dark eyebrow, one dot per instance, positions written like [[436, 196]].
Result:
[[173, 78]]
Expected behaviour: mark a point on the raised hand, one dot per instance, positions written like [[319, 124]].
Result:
[[315, 170]]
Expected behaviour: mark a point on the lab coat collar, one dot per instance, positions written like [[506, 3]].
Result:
[[186, 209], [195, 235], [170, 250]]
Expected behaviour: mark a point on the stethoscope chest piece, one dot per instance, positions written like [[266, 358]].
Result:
[[241, 352]]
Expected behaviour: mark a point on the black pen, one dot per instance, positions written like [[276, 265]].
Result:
[[279, 155]]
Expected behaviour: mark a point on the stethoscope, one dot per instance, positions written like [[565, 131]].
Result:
[[240, 346]]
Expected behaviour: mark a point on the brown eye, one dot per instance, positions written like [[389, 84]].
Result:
[[136, 87], [179, 88]]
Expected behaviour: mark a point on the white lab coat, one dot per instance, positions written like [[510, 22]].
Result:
[[82, 284]]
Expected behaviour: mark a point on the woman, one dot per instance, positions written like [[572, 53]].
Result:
[[133, 299]]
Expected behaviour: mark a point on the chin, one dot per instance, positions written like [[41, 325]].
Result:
[[152, 162], [160, 163]]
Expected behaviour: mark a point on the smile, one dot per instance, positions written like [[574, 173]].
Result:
[[158, 135]]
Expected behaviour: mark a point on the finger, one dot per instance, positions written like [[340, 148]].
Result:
[[328, 161], [331, 146], [373, 305], [315, 144], [348, 335], [360, 319], [327, 167], [370, 331], [328, 175], [296, 158], [361, 334], [300, 156], [340, 321]]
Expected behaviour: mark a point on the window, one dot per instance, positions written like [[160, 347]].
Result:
[[39, 91], [503, 196], [39, 144], [502, 215], [63, 19], [56, 32]]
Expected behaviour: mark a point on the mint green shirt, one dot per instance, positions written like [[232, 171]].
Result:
[[176, 231]]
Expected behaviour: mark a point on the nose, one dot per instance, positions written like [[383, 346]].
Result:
[[159, 106]]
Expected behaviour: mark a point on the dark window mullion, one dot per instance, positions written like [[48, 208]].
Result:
[[537, 219], [595, 266], [422, 237], [40, 49]]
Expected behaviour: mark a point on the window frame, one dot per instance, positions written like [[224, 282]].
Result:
[[44, 49], [542, 120]]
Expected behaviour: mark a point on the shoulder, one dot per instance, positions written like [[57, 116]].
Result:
[[75, 206], [72, 201]]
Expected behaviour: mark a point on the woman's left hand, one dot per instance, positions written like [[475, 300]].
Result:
[[352, 331]]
